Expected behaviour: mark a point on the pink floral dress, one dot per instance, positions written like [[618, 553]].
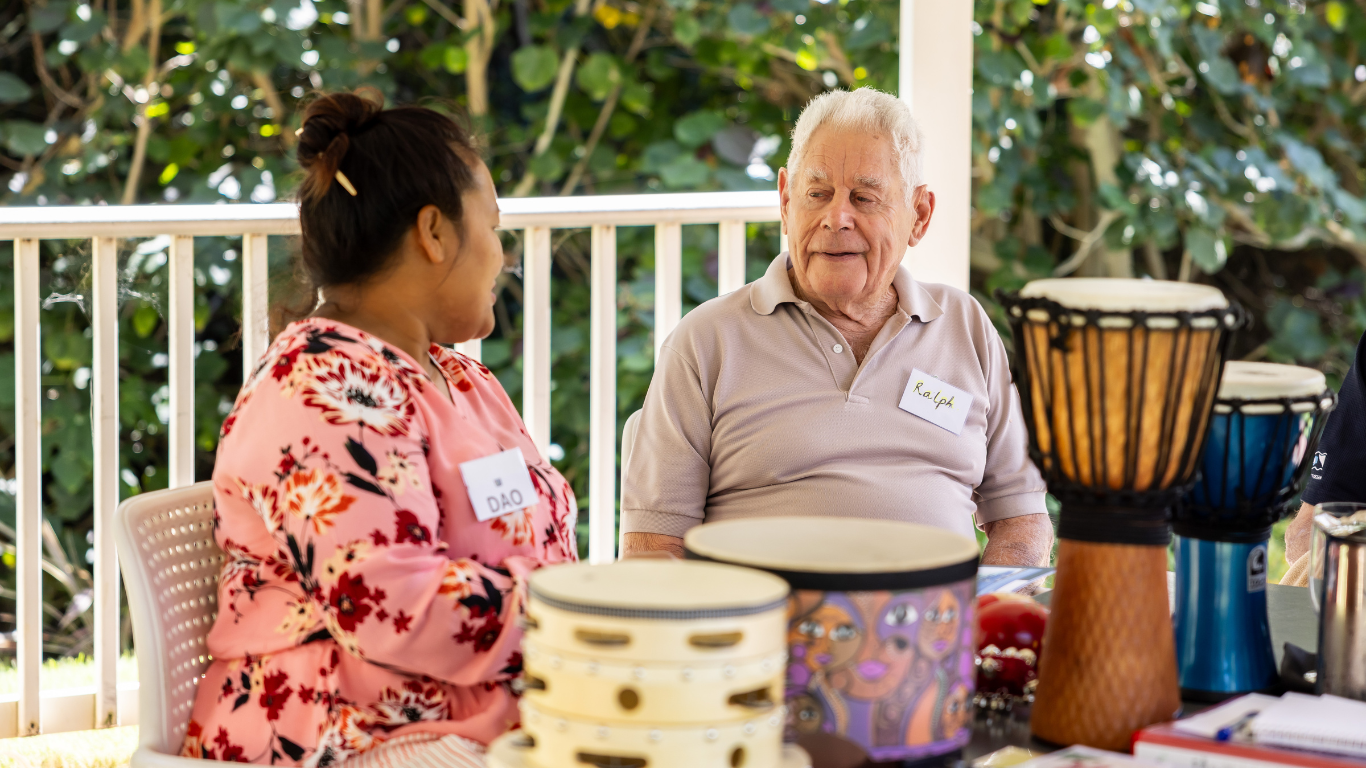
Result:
[[361, 599]]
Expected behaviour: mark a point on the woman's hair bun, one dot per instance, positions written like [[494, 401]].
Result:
[[329, 123], [392, 163]]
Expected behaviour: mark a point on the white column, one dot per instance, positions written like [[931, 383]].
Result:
[[180, 318], [536, 336], [104, 395], [28, 472], [474, 348], [730, 256], [668, 281], [255, 304], [936, 80], [602, 397]]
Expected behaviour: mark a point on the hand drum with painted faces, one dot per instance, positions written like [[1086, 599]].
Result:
[[879, 631], [652, 664]]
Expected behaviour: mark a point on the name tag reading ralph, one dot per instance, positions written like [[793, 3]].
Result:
[[943, 405], [498, 484]]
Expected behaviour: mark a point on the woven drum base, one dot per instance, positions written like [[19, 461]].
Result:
[[1109, 657], [504, 752]]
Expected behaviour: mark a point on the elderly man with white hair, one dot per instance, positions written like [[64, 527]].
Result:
[[836, 384]]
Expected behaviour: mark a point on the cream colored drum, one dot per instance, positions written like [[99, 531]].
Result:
[[550, 741], [656, 611], [696, 692]]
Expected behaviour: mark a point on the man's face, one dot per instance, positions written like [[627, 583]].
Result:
[[848, 218]]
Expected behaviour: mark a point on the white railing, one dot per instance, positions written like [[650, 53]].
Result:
[[104, 225]]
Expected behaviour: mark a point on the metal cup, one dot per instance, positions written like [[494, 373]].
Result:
[[1337, 586]]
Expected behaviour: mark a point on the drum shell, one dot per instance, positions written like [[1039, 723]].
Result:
[[1249, 463], [677, 694], [666, 641], [899, 689], [559, 740], [1111, 395]]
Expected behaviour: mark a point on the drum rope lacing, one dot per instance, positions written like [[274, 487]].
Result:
[[1094, 509], [1206, 513]]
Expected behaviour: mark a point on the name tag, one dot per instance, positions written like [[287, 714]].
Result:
[[942, 405], [498, 484]]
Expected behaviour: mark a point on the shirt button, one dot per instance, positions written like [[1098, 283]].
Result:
[[838, 348]]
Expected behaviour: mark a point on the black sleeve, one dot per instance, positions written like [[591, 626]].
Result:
[[1339, 469]]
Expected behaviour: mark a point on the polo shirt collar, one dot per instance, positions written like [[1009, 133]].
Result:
[[775, 288]]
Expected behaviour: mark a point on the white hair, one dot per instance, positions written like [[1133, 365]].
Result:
[[868, 111]]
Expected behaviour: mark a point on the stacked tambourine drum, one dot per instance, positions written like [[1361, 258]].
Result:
[[652, 664], [1118, 380], [1266, 425]]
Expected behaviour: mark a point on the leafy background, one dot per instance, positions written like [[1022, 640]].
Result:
[[1214, 141]]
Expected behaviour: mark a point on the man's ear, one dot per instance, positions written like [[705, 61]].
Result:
[[436, 237], [784, 194], [922, 201]]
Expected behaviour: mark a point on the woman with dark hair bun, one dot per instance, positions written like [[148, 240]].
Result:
[[378, 497]]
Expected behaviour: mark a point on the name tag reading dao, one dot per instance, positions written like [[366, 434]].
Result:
[[943, 405], [498, 484]]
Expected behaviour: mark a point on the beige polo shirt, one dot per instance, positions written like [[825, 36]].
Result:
[[757, 408]]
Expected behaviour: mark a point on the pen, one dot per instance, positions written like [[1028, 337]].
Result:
[[1226, 733]]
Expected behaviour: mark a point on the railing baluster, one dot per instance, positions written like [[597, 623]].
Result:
[[180, 317], [255, 307], [668, 281], [104, 313], [536, 336], [602, 397], [730, 257], [28, 472]]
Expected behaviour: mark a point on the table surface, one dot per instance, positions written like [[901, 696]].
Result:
[[1292, 621]]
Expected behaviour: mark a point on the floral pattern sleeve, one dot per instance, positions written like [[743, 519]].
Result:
[[348, 528]]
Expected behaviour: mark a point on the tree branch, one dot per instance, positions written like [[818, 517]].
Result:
[[608, 106], [838, 60], [40, 64], [1088, 240], [130, 187], [276, 104], [557, 97], [445, 12]]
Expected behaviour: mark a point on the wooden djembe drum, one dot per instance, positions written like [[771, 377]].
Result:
[[1117, 379]]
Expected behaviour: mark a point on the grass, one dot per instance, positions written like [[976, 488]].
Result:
[[73, 672], [106, 748]]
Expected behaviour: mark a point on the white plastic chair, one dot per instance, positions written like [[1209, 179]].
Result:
[[170, 565], [628, 444]]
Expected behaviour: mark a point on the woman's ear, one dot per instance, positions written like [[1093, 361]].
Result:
[[437, 236]]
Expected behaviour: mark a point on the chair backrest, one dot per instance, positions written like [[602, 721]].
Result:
[[170, 565], [628, 444]]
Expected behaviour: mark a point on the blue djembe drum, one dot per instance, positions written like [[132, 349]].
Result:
[[1266, 423]]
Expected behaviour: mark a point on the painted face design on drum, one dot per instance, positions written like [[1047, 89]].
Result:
[[825, 639], [955, 713], [939, 626], [887, 651], [806, 712]]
